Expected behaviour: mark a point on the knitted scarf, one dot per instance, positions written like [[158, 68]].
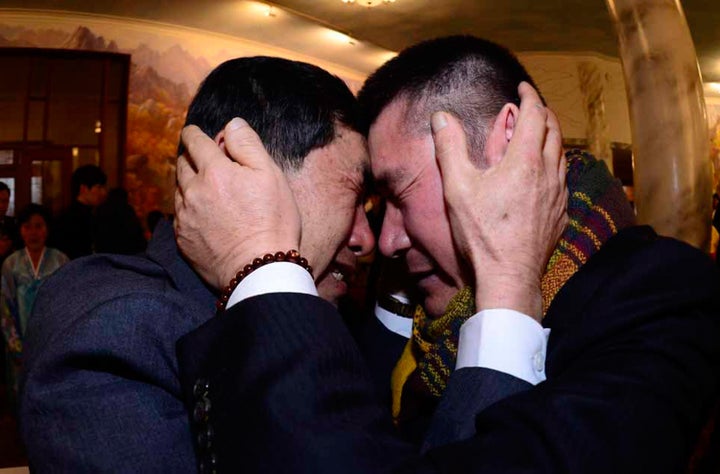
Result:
[[597, 210]]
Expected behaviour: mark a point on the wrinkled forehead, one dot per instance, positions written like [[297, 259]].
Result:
[[352, 149], [397, 139], [343, 162], [407, 116]]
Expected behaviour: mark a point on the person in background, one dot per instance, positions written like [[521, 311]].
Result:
[[22, 274], [75, 226], [6, 248], [117, 229]]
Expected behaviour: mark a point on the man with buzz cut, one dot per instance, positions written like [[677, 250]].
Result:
[[538, 347]]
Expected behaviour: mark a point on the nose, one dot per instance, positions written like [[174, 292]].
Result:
[[393, 238], [362, 240]]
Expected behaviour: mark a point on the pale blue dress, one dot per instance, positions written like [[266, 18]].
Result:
[[20, 283]]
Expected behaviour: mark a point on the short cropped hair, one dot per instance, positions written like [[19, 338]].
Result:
[[293, 106], [470, 77], [4, 187], [89, 175]]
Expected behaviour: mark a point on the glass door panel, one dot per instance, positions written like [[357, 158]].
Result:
[[46, 184]]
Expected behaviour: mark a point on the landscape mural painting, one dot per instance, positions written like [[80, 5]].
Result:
[[168, 62], [167, 65]]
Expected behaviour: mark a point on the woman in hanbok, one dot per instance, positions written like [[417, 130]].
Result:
[[22, 274]]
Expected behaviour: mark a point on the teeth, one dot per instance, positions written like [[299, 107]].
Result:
[[338, 275]]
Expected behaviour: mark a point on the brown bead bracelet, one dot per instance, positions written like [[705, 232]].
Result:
[[292, 256]]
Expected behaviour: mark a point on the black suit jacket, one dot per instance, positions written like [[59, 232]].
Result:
[[633, 365]]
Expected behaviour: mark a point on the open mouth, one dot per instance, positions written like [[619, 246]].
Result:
[[342, 272]]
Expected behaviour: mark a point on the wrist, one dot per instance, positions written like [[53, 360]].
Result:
[[240, 257], [290, 256], [509, 292]]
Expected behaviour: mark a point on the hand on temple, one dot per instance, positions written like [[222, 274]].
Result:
[[506, 219], [230, 211]]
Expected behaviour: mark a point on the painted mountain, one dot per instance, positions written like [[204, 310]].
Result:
[[160, 89]]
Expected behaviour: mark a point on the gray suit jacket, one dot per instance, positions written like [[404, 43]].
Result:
[[101, 392]]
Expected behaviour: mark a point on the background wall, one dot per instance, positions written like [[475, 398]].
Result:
[[713, 108], [168, 63], [558, 77]]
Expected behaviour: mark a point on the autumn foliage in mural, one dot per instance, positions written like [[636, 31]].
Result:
[[160, 89]]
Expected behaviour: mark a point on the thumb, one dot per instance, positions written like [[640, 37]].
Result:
[[450, 149], [244, 145]]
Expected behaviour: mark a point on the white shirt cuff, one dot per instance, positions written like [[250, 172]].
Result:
[[278, 277], [394, 322], [504, 340]]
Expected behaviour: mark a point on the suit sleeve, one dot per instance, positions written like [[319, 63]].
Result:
[[101, 392], [279, 383], [631, 376]]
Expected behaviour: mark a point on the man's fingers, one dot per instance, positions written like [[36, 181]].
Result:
[[529, 135], [450, 149], [183, 171], [201, 149], [553, 141], [178, 201], [529, 95], [244, 145]]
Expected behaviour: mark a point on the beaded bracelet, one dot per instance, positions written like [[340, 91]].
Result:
[[292, 256]]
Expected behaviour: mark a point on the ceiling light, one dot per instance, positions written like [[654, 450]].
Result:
[[341, 37], [712, 88], [368, 3]]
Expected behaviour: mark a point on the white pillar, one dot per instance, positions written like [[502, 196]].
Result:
[[672, 170]]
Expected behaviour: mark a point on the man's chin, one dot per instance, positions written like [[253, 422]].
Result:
[[437, 295], [434, 306]]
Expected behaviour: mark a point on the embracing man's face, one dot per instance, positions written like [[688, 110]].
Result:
[[329, 191], [416, 225]]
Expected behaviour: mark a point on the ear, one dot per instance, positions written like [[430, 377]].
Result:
[[220, 140], [500, 134]]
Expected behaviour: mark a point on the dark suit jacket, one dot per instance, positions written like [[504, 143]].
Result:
[[102, 392], [633, 365], [381, 349]]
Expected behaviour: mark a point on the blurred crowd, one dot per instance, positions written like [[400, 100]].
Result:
[[34, 244]]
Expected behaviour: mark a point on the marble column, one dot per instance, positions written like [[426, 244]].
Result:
[[672, 171], [592, 86]]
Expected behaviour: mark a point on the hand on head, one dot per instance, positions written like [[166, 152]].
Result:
[[230, 211], [506, 219]]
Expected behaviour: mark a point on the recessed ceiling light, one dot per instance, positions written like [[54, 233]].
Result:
[[368, 3], [341, 37], [712, 88]]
